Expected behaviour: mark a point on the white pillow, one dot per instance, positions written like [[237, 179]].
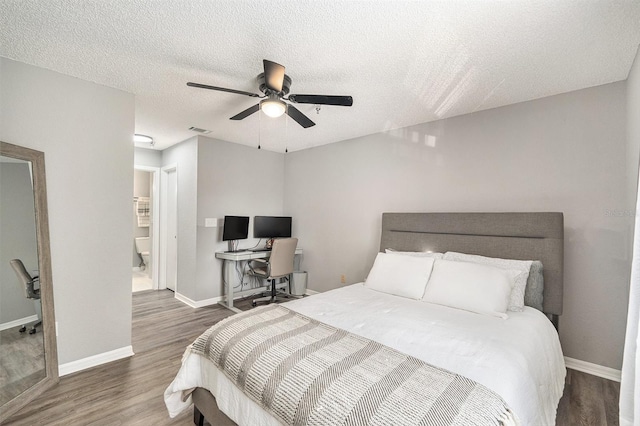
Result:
[[415, 253], [404, 276], [473, 287], [516, 300]]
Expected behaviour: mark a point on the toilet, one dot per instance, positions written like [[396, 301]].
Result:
[[143, 248]]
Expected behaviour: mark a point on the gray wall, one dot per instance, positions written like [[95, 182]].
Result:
[[17, 239], [218, 178], [85, 131], [562, 153], [185, 157], [233, 180]]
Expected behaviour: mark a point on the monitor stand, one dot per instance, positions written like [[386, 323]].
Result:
[[232, 246]]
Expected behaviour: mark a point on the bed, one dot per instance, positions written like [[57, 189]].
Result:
[[518, 360]]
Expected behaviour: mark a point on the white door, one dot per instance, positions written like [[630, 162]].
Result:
[[169, 228], [171, 236]]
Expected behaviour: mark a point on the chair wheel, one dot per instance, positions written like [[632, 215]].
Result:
[[254, 304], [22, 329], [32, 331]]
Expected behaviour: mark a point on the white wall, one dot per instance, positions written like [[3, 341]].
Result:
[[562, 153], [233, 180], [85, 131], [147, 157]]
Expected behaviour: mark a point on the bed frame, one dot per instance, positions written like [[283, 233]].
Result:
[[524, 236]]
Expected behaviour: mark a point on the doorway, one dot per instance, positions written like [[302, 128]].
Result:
[[169, 225], [145, 229]]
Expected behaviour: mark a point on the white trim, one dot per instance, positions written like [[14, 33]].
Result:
[[94, 360], [18, 322], [212, 301], [593, 369], [162, 273], [310, 292], [197, 304], [217, 299]]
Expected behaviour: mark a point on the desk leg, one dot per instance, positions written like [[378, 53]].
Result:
[[229, 278]]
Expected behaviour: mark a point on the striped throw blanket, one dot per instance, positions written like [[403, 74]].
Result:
[[305, 372]]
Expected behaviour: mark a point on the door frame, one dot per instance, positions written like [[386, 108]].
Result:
[[164, 176], [155, 241]]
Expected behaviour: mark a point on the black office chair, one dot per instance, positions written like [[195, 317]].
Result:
[[30, 292], [279, 265]]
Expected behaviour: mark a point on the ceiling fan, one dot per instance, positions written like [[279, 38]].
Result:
[[275, 84]]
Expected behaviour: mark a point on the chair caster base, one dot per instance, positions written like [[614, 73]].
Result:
[[254, 304], [32, 331], [22, 329]]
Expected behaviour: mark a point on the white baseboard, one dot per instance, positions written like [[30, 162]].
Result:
[[310, 292], [214, 300], [95, 360], [199, 303], [593, 369], [18, 322]]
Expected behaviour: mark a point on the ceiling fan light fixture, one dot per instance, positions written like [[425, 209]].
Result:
[[273, 107]]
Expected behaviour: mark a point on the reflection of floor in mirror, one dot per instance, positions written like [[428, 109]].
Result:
[[21, 361], [141, 281]]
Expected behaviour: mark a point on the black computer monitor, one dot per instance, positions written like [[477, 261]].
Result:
[[235, 228], [272, 226]]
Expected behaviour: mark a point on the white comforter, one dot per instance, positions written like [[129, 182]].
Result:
[[519, 358]]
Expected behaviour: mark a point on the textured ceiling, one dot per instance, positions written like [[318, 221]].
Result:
[[404, 62]]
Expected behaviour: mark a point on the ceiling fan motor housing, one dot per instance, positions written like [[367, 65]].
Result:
[[286, 85]]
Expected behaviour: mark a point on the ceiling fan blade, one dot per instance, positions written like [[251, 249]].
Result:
[[322, 100], [222, 89], [247, 112], [299, 117], [273, 75]]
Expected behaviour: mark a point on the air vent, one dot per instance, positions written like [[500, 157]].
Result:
[[199, 130]]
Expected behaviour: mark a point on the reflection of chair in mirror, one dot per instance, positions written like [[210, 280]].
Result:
[[279, 265], [30, 292]]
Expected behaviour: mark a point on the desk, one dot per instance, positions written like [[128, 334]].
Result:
[[239, 256]]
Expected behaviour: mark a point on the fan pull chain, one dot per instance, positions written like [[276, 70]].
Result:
[[259, 128], [286, 132]]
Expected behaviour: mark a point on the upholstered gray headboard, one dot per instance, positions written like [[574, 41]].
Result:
[[524, 236]]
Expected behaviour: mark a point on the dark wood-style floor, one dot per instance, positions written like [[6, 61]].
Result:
[[130, 391]]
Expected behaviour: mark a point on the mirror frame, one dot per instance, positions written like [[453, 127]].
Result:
[[46, 284]]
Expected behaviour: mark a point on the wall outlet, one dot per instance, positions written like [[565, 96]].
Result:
[[211, 222], [343, 279]]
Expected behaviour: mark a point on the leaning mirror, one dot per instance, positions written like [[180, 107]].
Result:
[[28, 357]]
